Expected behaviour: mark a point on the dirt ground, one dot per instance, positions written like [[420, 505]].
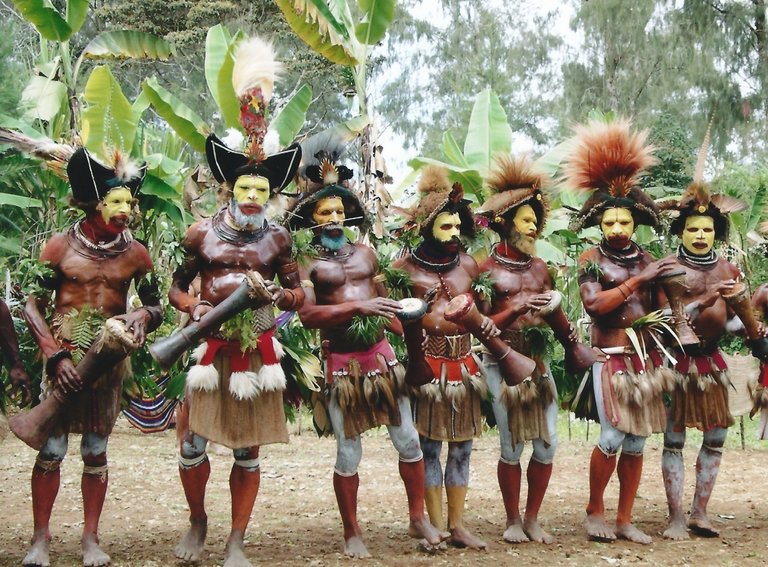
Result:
[[296, 521]]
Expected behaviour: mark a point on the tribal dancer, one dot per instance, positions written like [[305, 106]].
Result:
[[448, 409], [700, 398], [365, 383], [235, 392], [617, 287], [9, 346], [94, 263], [522, 295]]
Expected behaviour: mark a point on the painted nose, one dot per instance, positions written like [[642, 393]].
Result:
[[335, 217]]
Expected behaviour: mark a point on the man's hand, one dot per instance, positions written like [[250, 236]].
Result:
[[136, 322], [658, 269], [20, 384], [379, 306], [275, 290], [66, 376], [199, 310], [488, 329], [537, 301], [723, 288]]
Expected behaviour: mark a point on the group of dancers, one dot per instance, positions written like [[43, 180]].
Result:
[[234, 389]]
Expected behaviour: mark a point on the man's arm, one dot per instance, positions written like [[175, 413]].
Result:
[[178, 294], [10, 347]]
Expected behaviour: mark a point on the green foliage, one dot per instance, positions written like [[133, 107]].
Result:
[[482, 285], [86, 323], [397, 281], [366, 330], [241, 328], [541, 340]]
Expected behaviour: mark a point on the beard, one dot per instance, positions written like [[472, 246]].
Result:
[[524, 243], [243, 221], [332, 237]]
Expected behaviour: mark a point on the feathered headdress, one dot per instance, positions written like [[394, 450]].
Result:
[[439, 195], [253, 77], [608, 161], [515, 182], [325, 177], [91, 180], [697, 199]]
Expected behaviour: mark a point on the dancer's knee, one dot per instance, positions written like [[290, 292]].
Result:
[[674, 441], [348, 455], [247, 458], [192, 451], [714, 439], [457, 465], [93, 447], [55, 449], [511, 454], [406, 442], [633, 445], [544, 452], [611, 439]]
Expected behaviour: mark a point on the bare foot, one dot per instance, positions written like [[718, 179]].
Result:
[[631, 533], [355, 548], [700, 525], [190, 548], [676, 530], [423, 529], [460, 537], [514, 533], [236, 552], [93, 556], [535, 532], [598, 529], [39, 554]]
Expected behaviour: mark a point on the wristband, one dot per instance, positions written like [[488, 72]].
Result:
[[54, 359]]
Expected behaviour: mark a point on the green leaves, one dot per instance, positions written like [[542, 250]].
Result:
[[378, 16], [325, 27], [108, 120], [19, 201], [49, 22], [489, 133], [128, 45], [184, 121], [291, 118], [219, 46], [42, 99]]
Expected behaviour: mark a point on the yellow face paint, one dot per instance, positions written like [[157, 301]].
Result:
[[446, 226], [117, 203], [618, 226], [525, 221], [251, 189], [329, 210], [699, 234]]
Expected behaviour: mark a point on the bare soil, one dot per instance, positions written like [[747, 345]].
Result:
[[296, 521]]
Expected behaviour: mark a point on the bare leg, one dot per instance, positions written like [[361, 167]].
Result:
[[630, 469], [509, 483], [538, 480], [413, 479], [601, 468], [456, 485], [45, 488], [94, 488], [707, 469], [244, 482], [345, 488], [673, 471], [194, 480]]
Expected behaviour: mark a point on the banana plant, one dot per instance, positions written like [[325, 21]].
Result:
[[219, 62], [50, 96]]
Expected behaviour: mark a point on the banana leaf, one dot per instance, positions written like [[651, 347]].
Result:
[[46, 19], [42, 99], [453, 153], [108, 120], [378, 15], [77, 11], [489, 133], [219, 62], [19, 201], [470, 179], [184, 121], [124, 44], [325, 27], [289, 121]]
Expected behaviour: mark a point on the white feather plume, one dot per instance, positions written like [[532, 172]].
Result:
[[255, 65]]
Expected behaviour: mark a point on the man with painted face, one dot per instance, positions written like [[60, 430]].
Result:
[[617, 287], [448, 409], [364, 381], [235, 391], [517, 210], [700, 397], [94, 264]]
